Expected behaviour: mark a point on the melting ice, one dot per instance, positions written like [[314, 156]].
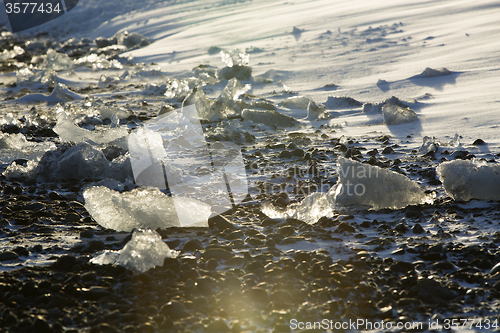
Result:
[[144, 251]]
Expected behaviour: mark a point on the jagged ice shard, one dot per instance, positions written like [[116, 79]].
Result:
[[465, 180], [143, 208], [144, 251]]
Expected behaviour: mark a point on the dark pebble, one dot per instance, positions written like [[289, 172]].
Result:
[[417, 229], [174, 310], [8, 255], [345, 227], [87, 234], [217, 254], [217, 326], [66, 262], [192, 245], [55, 196], [479, 142], [22, 251], [387, 151], [220, 223]]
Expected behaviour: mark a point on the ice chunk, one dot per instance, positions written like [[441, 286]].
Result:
[[132, 40], [377, 107], [27, 76], [157, 89], [105, 81], [431, 72], [396, 115], [69, 132], [310, 210], [464, 180], [14, 146], [234, 58], [429, 145], [17, 171], [81, 161], [315, 112], [12, 141], [143, 208], [60, 94], [97, 62], [202, 103], [335, 103], [176, 88], [107, 112], [378, 188], [225, 105], [57, 61], [268, 118], [17, 50], [243, 73], [144, 251], [297, 102]]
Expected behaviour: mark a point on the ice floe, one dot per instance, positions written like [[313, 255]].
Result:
[[144, 208], [464, 180], [144, 251]]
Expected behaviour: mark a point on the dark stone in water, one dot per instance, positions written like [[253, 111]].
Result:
[[417, 229]]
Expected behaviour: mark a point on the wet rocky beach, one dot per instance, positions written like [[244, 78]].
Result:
[[429, 262]]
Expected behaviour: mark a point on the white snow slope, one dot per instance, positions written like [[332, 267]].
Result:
[[352, 44]]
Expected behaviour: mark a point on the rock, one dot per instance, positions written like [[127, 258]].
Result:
[[479, 142], [174, 310], [217, 254], [401, 227], [388, 150], [417, 229], [345, 227], [41, 326], [8, 255], [495, 269], [65, 262], [217, 326], [87, 234], [192, 245], [220, 223], [431, 291]]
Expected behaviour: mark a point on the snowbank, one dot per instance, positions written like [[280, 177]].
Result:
[[466, 180], [144, 251], [143, 208]]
